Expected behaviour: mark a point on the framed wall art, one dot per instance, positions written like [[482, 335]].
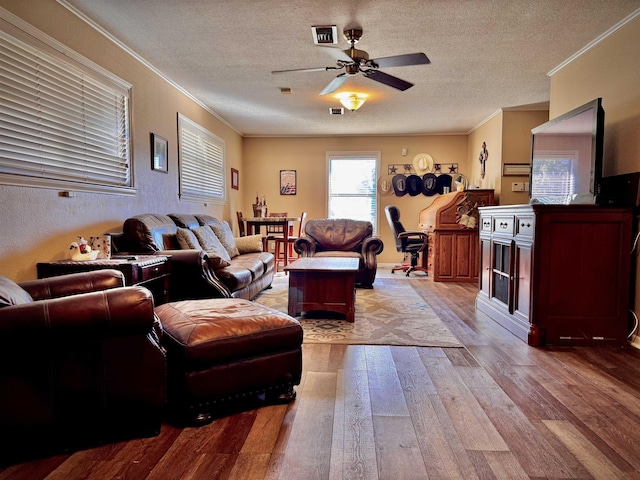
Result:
[[159, 153], [235, 179], [288, 182]]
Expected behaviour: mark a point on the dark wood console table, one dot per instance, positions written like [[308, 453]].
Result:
[[557, 274], [151, 271]]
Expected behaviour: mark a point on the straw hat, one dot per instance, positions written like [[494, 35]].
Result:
[[423, 163]]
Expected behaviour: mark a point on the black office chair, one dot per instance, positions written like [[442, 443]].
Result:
[[407, 241]]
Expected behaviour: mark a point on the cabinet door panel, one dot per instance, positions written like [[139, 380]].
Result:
[[522, 284], [485, 261]]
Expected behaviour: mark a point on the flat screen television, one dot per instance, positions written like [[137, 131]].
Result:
[[566, 157]]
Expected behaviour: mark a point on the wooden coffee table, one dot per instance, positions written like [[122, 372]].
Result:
[[323, 283]]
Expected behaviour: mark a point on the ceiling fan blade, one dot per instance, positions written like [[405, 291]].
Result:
[[387, 79], [335, 84], [317, 69], [402, 60], [337, 54]]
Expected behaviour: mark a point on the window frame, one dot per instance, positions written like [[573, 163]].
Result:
[[68, 61], [355, 155], [189, 183]]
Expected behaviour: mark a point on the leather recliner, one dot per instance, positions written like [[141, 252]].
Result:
[[329, 237], [80, 363]]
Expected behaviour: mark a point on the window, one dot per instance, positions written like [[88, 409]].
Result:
[[556, 176], [202, 164], [64, 122], [352, 186]]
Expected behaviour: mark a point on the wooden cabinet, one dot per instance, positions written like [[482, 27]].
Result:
[[556, 274], [452, 254]]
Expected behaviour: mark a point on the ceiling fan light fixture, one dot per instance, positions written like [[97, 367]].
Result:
[[352, 101]]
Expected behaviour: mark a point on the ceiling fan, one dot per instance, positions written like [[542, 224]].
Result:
[[356, 61]]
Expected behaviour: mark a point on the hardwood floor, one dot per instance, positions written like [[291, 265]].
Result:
[[495, 409]]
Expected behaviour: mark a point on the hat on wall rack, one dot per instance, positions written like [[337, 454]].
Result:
[[399, 182], [423, 163], [414, 185]]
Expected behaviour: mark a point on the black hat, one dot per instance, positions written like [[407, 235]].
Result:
[[414, 185], [399, 182], [429, 184], [443, 180]]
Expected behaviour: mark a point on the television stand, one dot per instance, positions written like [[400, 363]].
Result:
[[557, 274]]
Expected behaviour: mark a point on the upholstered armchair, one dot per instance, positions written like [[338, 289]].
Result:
[[343, 238], [80, 363]]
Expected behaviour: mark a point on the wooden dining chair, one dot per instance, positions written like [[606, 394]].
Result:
[[241, 229], [279, 247], [275, 231]]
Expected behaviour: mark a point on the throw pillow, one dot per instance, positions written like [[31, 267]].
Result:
[[225, 235], [12, 294], [249, 244], [218, 255], [187, 240]]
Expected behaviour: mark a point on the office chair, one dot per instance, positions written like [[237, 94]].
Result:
[[407, 241]]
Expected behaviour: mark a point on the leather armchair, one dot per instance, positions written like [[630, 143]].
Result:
[[343, 238], [80, 363]]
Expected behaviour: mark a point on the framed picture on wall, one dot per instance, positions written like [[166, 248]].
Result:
[[235, 179], [159, 153], [288, 182]]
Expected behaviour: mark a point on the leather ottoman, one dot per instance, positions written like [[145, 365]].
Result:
[[222, 352]]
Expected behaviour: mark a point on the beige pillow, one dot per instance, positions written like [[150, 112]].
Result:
[[187, 240], [218, 255], [225, 235], [249, 244]]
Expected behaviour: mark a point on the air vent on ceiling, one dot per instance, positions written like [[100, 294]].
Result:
[[285, 90], [325, 34], [336, 111]]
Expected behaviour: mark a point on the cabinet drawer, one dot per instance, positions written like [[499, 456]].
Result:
[[503, 225], [149, 272], [524, 226], [485, 223]]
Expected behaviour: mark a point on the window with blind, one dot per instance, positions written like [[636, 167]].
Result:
[[64, 122], [202, 162], [352, 186], [556, 177]]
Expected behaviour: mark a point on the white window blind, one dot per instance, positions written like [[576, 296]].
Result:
[[60, 126], [202, 162], [352, 186], [556, 177]]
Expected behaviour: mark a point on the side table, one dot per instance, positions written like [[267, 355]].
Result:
[[151, 271]]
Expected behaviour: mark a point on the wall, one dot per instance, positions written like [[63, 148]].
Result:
[[265, 157], [37, 224], [516, 148], [611, 70], [489, 132]]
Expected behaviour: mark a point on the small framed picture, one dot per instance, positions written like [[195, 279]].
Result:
[[159, 153], [235, 179], [288, 182]]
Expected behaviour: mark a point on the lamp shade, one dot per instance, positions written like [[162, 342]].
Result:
[[353, 101]]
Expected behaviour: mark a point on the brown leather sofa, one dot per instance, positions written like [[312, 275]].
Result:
[[191, 275], [80, 363], [343, 238]]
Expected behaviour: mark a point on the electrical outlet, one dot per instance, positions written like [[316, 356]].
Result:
[[517, 187]]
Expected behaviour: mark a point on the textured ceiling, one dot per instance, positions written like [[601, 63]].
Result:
[[485, 55]]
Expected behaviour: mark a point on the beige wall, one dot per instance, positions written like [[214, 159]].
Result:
[[489, 132], [265, 157], [37, 224], [610, 70], [516, 148]]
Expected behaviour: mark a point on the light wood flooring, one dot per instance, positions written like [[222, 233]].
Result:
[[495, 409]]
